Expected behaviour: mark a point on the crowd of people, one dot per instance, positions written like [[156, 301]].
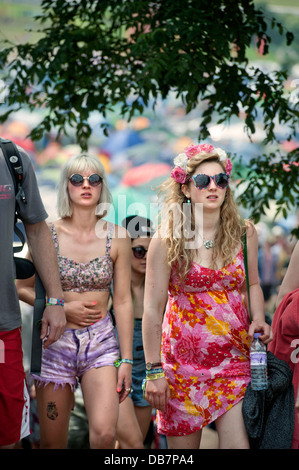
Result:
[[143, 321]]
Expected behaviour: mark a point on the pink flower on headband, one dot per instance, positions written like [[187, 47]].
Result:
[[195, 149], [228, 167], [179, 175]]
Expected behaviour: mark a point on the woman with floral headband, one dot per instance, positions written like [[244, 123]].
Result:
[[195, 265]]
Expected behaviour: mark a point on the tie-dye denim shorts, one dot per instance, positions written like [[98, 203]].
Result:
[[76, 352]]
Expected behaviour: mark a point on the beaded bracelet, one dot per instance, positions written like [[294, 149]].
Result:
[[54, 301], [118, 362]]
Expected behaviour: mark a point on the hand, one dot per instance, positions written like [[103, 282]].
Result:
[[82, 313], [124, 381], [258, 326], [53, 324], [157, 393]]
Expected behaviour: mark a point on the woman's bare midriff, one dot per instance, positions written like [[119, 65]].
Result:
[[101, 297]]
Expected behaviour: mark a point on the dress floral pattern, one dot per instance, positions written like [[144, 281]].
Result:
[[205, 347]]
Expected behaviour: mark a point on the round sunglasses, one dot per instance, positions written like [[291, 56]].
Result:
[[77, 179], [139, 252], [203, 181]]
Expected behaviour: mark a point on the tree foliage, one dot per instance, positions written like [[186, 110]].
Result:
[[95, 54]]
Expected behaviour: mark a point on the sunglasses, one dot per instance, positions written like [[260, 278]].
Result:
[[203, 181], [139, 252], [93, 180]]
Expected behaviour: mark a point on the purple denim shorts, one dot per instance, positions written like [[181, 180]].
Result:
[[76, 352]]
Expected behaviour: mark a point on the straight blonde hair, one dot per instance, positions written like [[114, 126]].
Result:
[[78, 164]]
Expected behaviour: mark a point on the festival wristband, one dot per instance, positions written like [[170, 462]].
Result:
[[151, 377], [155, 376], [53, 301], [118, 362]]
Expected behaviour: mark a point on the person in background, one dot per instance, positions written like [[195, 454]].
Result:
[[135, 412], [202, 371], [91, 253], [285, 324], [14, 396]]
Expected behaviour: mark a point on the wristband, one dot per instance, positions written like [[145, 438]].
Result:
[[159, 375], [118, 362], [53, 301], [155, 376], [153, 371]]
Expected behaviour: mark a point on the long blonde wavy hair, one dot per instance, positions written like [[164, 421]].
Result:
[[230, 229]]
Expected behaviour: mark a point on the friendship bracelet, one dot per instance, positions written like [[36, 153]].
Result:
[[118, 362], [53, 301], [154, 371]]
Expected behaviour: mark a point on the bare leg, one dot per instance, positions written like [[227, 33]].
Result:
[[192, 441], [101, 403], [127, 420], [54, 408], [231, 429], [144, 416]]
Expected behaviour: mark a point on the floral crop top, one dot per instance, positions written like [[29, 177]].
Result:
[[95, 275]]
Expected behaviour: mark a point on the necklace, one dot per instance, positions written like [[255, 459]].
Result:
[[208, 244]]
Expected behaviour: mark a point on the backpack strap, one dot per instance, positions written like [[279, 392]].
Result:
[[14, 163]]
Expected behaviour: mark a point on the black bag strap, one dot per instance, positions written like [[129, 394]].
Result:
[[14, 163], [38, 310], [244, 242]]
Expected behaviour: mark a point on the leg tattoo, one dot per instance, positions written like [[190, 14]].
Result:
[[52, 411]]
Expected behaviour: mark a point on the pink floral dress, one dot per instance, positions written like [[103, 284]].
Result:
[[205, 347]]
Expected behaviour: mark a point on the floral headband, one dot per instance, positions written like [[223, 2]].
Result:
[[179, 173]]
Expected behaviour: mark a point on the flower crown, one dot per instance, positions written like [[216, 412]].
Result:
[[179, 173]]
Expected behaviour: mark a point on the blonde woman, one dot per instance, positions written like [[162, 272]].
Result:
[[201, 373], [91, 253]]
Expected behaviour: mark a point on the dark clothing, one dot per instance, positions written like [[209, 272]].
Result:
[[269, 415], [285, 326]]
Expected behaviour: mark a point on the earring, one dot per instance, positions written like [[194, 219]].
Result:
[[188, 200]]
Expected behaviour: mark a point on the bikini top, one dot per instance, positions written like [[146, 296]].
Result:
[[95, 275]]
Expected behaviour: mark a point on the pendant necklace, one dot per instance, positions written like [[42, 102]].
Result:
[[208, 244]]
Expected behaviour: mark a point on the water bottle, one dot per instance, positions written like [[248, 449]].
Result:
[[258, 364]]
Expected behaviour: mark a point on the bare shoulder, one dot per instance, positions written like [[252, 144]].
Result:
[[250, 229]]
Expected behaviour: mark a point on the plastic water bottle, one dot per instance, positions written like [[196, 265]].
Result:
[[258, 364]]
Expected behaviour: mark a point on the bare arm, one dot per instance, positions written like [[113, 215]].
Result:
[[44, 257], [256, 294], [155, 298], [291, 278], [123, 309]]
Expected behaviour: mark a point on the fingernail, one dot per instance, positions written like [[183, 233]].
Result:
[[118, 390], [94, 302]]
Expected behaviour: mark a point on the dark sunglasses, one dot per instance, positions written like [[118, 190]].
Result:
[[203, 181], [139, 252], [93, 180]]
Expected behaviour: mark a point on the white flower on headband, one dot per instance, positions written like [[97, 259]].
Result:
[[222, 154], [181, 160]]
